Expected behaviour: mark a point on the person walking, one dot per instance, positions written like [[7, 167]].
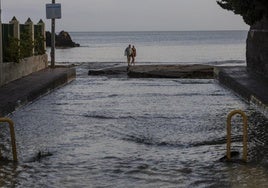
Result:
[[133, 56], [128, 53]]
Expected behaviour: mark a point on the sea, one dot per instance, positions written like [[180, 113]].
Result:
[[156, 46], [115, 131]]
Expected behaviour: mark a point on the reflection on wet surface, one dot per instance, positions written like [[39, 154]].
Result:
[[120, 132]]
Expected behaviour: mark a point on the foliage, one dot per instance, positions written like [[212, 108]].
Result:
[[26, 45], [251, 10], [19, 49], [39, 48], [12, 52]]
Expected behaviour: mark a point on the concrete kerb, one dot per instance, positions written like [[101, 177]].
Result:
[[248, 86], [33, 86]]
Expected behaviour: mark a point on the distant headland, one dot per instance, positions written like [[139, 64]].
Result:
[[63, 40]]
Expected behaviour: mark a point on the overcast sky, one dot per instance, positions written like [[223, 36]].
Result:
[[127, 15]]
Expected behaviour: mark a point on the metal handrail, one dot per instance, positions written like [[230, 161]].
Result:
[[12, 135], [245, 133]]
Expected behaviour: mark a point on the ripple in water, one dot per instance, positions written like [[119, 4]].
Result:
[[121, 132]]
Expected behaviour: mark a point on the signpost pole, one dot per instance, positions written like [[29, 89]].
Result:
[[52, 53], [1, 45], [53, 12]]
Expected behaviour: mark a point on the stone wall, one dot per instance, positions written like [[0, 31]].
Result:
[[13, 71], [257, 48]]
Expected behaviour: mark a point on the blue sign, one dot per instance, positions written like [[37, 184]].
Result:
[[53, 11]]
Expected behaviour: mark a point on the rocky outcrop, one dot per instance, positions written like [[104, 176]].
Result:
[[63, 39], [256, 50]]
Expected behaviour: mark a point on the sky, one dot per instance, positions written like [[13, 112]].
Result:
[[127, 15]]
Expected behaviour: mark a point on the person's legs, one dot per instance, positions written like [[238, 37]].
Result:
[[133, 60], [128, 60]]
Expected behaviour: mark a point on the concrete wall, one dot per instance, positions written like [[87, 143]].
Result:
[[13, 71]]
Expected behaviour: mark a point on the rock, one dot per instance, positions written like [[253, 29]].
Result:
[[234, 158], [256, 50], [63, 39], [48, 38]]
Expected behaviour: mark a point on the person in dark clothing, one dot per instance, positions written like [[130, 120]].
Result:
[[128, 53]]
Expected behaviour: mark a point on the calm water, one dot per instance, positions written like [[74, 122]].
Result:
[[174, 46], [121, 132]]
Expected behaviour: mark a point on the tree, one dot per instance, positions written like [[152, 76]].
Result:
[[251, 10]]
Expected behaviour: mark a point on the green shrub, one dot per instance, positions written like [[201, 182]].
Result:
[[39, 48], [12, 51], [23, 48]]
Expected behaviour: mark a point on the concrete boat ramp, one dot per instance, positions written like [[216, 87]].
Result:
[[245, 84], [249, 86]]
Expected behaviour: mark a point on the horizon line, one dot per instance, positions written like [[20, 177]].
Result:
[[157, 30]]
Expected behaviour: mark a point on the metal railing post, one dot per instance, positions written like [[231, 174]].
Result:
[[245, 133], [12, 136]]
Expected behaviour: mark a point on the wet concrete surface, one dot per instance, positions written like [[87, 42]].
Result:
[[29, 88], [196, 71], [249, 86], [151, 132]]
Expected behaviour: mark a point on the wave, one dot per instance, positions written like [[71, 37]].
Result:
[[151, 142], [141, 139], [145, 116], [100, 116], [218, 141]]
